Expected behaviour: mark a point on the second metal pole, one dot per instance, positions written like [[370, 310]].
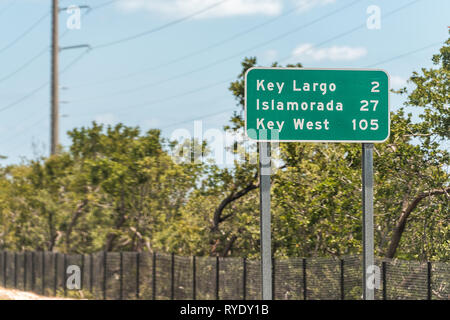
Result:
[[265, 232], [368, 242]]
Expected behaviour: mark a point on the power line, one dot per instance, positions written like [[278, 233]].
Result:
[[180, 95], [368, 66], [40, 53], [196, 52], [33, 92], [35, 124], [209, 65], [197, 118], [107, 3], [405, 54], [26, 64], [25, 129], [74, 61], [159, 28], [264, 43], [31, 28], [361, 26], [229, 109]]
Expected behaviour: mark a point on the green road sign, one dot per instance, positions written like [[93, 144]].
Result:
[[317, 105]]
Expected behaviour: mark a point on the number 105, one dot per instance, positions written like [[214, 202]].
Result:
[[363, 124]]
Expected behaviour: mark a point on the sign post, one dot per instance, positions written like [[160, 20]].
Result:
[[368, 240], [266, 241], [317, 105]]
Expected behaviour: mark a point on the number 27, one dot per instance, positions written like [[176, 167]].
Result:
[[365, 104]]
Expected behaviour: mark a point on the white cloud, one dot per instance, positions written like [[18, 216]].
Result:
[[307, 52], [397, 82], [305, 5], [185, 7]]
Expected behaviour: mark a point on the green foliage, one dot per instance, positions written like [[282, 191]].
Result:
[[112, 190], [116, 188]]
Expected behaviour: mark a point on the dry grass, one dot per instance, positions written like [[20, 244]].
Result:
[[11, 294]]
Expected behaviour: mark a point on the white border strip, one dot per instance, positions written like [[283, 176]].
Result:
[[315, 69]]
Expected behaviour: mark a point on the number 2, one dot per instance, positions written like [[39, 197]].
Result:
[[375, 85]]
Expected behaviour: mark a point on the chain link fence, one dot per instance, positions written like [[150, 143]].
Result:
[[158, 276]]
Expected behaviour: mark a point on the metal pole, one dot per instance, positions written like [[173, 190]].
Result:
[[138, 273], [305, 291], [194, 277], [25, 271], [429, 293], [65, 274], [273, 279], [91, 273], [172, 276], [82, 272], [54, 81], [244, 279], [15, 270], [367, 197], [217, 277], [154, 277], [384, 271], [121, 277], [342, 280], [55, 283], [43, 272], [4, 268], [105, 270], [33, 274], [265, 232]]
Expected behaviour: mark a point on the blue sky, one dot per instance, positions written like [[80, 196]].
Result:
[[168, 78]]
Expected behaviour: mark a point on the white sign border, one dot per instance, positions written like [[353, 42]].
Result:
[[318, 141]]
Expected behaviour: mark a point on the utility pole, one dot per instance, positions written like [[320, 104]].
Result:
[[54, 120]]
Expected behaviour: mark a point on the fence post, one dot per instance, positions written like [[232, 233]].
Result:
[[105, 259], [1, 266], [121, 277], [383, 266], [154, 276], [91, 273], [273, 278], [429, 280], [82, 273], [172, 276], [25, 271], [244, 278], [138, 270], [304, 280], [43, 272], [342, 280], [5, 258], [65, 274], [217, 277], [33, 271], [194, 277], [15, 270], [55, 284]]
